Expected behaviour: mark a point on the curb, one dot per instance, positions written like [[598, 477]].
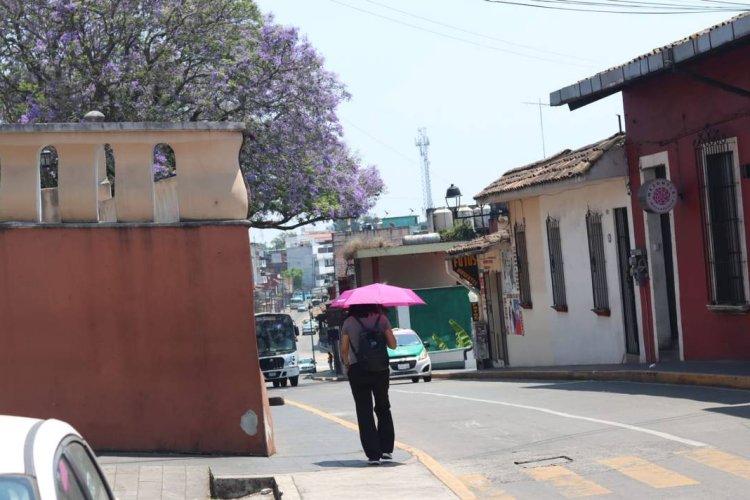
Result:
[[678, 378], [329, 379]]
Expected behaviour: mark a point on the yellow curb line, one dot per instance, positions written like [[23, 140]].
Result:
[[440, 472]]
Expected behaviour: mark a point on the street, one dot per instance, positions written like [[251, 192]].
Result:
[[565, 439]]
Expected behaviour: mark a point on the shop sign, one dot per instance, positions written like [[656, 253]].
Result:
[[466, 267], [475, 311], [658, 196]]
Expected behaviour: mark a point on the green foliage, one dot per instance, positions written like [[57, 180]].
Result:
[[463, 339], [459, 232], [442, 346], [279, 242], [296, 274]]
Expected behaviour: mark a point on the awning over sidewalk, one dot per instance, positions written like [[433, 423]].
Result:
[[479, 245]]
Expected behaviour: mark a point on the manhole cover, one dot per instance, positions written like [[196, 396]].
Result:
[[544, 462]]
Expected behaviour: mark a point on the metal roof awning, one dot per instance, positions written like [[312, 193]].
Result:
[[709, 41]]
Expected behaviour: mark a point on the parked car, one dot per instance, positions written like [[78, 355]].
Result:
[[410, 358], [309, 327], [307, 365], [47, 460]]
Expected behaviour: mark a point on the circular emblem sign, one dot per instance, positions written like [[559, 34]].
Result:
[[657, 196]]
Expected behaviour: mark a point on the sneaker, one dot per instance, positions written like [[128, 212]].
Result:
[[373, 462], [387, 456]]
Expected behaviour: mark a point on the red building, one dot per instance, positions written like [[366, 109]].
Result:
[[687, 113]]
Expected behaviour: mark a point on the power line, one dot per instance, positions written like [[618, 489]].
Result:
[[488, 37], [451, 37], [607, 7], [382, 143]]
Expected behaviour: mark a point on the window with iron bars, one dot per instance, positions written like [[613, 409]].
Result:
[[723, 227], [597, 262], [524, 287], [559, 301]]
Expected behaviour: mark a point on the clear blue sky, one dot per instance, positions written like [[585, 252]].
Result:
[[464, 70]]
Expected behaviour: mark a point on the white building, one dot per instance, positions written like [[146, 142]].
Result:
[[567, 295], [313, 253]]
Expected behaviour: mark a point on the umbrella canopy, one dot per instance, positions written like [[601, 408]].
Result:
[[378, 293]]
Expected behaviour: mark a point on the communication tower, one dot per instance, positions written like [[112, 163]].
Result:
[[422, 142]]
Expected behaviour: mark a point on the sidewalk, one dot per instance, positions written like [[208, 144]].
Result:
[[316, 459], [320, 459], [727, 374]]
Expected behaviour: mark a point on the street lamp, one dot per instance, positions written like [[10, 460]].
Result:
[[453, 193], [312, 337]]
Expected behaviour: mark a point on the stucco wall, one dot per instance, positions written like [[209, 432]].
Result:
[[140, 336], [664, 115], [424, 270], [577, 336], [534, 348]]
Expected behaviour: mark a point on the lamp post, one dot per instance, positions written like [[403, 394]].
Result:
[[312, 338], [453, 193]]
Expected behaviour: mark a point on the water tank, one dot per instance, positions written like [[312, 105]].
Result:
[[466, 215], [482, 217], [442, 219], [421, 239]]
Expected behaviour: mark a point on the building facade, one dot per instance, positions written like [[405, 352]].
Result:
[[687, 114]]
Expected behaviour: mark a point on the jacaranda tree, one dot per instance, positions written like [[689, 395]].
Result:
[[189, 60]]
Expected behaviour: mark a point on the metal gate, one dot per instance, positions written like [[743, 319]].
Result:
[[627, 288]]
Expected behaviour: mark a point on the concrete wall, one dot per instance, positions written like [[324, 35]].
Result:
[[578, 336], [140, 336], [211, 186]]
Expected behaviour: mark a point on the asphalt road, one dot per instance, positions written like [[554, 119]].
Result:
[[568, 439]]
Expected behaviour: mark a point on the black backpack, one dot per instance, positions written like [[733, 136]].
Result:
[[371, 350]]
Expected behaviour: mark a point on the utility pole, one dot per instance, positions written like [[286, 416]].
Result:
[[423, 142], [541, 122]]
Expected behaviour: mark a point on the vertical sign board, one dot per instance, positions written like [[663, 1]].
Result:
[[466, 267]]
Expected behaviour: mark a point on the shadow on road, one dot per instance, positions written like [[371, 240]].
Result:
[[696, 393]]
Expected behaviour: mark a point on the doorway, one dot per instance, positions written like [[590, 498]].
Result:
[[627, 286], [661, 271]]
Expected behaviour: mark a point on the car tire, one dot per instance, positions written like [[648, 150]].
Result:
[[294, 380], [415, 379], [275, 383], [283, 382], [428, 378]]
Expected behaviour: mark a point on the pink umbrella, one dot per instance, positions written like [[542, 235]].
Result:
[[378, 293]]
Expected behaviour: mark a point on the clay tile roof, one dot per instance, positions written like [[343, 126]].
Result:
[[561, 166], [479, 244]]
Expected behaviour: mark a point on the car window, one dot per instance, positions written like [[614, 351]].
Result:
[[87, 471], [16, 488], [65, 482], [408, 339]]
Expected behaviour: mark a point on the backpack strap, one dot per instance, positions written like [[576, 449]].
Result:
[[351, 344]]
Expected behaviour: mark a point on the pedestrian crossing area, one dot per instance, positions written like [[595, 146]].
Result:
[[706, 470]]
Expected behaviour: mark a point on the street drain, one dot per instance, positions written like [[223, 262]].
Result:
[[544, 462], [244, 487]]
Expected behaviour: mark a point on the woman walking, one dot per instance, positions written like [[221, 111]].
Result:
[[365, 335]]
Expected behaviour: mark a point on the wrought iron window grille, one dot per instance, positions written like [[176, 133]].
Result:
[[522, 261], [554, 241], [721, 221], [598, 263]]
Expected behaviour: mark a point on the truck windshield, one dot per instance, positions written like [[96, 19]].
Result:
[[275, 334]]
